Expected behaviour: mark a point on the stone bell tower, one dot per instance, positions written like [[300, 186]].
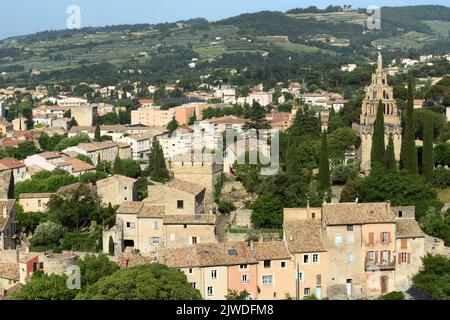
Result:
[[376, 91]]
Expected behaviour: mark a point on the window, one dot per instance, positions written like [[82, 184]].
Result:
[[350, 228], [385, 237], [267, 280], [180, 204], [371, 238], [385, 257], [307, 291], [338, 239], [243, 267], [131, 225], [191, 271], [194, 285], [404, 244], [41, 265], [213, 274], [404, 257], [300, 276], [318, 280], [350, 239], [39, 203], [315, 258], [210, 290], [267, 264], [313, 215], [194, 240], [371, 256], [172, 237], [125, 188], [156, 225], [244, 278], [350, 257], [155, 240], [400, 214], [125, 199], [306, 259], [283, 264]]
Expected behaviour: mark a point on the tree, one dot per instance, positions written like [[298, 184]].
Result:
[[157, 169], [93, 268], [193, 119], [172, 125], [131, 168], [378, 150], [118, 166], [350, 191], [434, 276], [145, 282], [427, 154], [324, 166], [76, 209], [267, 212], [97, 136], [47, 233], [441, 178], [111, 246], [391, 163], [256, 120], [409, 155], [234, 295], [46, 287]]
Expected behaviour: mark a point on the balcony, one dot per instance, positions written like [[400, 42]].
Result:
[[371, 265]]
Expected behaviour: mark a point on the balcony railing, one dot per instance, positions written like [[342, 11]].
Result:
[[372, 265]]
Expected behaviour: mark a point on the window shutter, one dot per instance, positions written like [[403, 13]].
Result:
[[399, 258], [389, 257], [370, 237], [376, 256], [409, 258], [389, 237], [381, 237]]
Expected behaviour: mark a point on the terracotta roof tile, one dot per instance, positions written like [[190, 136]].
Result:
[[357, 213], [304, 236], [185, 186], [271, 250], [409, 228], [10, 163], [153, 211], [79, 165], [9, 271]]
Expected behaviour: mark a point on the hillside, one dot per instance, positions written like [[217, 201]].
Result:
[[162, 52]]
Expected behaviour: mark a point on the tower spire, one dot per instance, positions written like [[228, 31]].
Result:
[[380, 62]]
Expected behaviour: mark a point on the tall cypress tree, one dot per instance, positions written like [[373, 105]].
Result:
[[97, 136], [409, 156], [118, 166], [324, 166], [427, 154], [157, 165], [391, 164], [378, 150]]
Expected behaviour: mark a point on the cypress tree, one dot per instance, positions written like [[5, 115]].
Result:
[[111, 246], [427, 154], [391, 164], [97, 136], [378, 150], [409, 156], [324, 166], [157, 169], [118, 166]]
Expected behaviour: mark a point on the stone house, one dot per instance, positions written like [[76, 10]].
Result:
[[34, 202], [117, 189]]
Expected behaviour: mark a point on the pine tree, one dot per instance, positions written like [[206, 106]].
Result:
[[378, 150], [427, 154], [391, 164], [409, 155], [118, 166], [157, 169], [193, 119], [97, 136], [257, 119], [324, 166]]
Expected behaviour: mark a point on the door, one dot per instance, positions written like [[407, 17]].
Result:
[[318, 292], [349, 287], [384, 284]]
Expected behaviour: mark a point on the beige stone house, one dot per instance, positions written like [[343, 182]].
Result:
[[96, 151], [117, 190], [18, 168], [305, 239], [34, 202]]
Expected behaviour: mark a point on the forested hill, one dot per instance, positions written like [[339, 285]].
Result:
[[163, 51]]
